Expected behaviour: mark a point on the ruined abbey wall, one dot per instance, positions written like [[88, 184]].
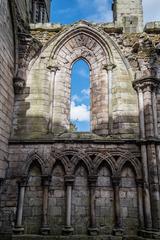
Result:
[[54, 182]]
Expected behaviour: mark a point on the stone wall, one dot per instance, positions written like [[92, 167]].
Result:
[[114, 107], [6, 76], [62, 161]]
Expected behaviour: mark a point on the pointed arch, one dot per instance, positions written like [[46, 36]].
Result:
[[61, 157], [133, 161], [33, 158], [83, 158], [108, 159]]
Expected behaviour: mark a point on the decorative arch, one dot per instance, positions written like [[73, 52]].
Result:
[[108, 159], [86, 41], [57, 156], [85, 159], [133, 161], [33, 157]]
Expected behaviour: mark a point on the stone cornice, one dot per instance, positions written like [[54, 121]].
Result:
[[146, 83]]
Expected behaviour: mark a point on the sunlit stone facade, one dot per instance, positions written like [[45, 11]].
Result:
[[103, 184]]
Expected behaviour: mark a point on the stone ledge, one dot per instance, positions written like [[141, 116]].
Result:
[[75, 237]]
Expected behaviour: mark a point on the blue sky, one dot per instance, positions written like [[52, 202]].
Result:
[[70, 11]]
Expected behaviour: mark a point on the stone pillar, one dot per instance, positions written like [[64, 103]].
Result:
[[92, 230], [45, 227], [146, 194], [118, 231], [154, 186], [53, 70], [109, 67], [68, 229], [19, 229], [140, 202], [141, 113], [148, 87], [154, 109]]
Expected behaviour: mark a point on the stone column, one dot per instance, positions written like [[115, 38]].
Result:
[[19, 229], [45, 227], [146, 194], [141, 113], [148, 151], [53, 70], [92, 230], [154, 186], [154, 109], [34, 11], [140, 202], [118, 231], [68, 229], [109, 67]]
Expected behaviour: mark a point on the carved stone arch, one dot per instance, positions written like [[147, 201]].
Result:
[[83, 40], [133, 161], [81, 157], [62, 158], [108, 159], [34, 157]]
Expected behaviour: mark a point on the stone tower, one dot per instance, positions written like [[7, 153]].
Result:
[[128, 14], [40, 11]]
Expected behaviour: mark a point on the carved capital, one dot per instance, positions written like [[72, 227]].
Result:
[[22, 182], [46, 180], [53, 68], [69, 180], [92, 180], [146, 84], [116, 181], [109, 66], [139, 183]]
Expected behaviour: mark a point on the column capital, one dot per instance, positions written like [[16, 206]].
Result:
[[146, 84], [92, 180], [46, 179], [69, 180], [53, 68], [139, 183], [116, 181], [109, 67], [22, 182]]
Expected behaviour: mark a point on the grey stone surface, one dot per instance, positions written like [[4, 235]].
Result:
[[56, 181]]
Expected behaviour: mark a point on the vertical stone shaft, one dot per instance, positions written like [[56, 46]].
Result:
[[140, 203], [69, 181], [69, 199], [20, 206], [146, 195], [92, 187], [148, 107], [117, 209], [18, 225], [45, 228], [154, 109], [141, 113], [53, 70], [154, 186], [109, 69]]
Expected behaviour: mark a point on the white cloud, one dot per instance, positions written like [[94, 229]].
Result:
[[80, 113], [83, 73], [76, 98], [86, 92]]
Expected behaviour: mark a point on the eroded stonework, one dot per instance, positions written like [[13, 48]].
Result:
[[54, 182]]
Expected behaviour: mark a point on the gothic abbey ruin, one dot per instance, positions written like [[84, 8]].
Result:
[[99, 185]]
